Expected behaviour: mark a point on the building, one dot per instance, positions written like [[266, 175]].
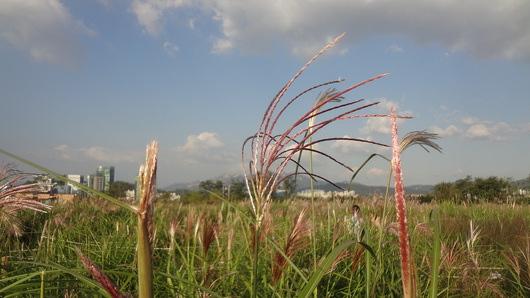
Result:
[[102, 178], [70, 188]]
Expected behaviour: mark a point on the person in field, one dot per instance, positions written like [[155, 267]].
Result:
[[356, 223]]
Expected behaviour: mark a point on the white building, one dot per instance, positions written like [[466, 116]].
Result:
[[70, 188]]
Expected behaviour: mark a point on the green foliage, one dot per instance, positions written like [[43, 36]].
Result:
[[194, 196], [469, 190], [237, 190], [289, 186], [117, 189], [211, 186]]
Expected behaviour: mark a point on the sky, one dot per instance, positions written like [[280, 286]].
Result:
[[90, 83]]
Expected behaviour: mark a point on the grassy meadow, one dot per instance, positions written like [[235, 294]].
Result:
[[205, 250]]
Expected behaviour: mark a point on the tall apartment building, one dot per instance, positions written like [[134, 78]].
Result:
[[101, 179]]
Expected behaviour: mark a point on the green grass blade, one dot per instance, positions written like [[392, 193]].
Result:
[[23, 278], [363, 164], [75, 273], [436, 251], [321, 270], [368, 259], [189, 283]]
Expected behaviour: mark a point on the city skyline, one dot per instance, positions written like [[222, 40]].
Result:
[[94, 82]]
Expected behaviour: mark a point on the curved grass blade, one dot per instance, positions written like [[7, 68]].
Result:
[[363, 164], [194, 285], [308, 289], [24, 277], [77, 274]]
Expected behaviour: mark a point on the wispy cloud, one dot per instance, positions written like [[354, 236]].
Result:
[[525, 128], [96, 153], [472, 128], [396, 48], [171, 49], [497, 30], [44, 29]]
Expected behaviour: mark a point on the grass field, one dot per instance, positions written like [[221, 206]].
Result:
[[205, 250]]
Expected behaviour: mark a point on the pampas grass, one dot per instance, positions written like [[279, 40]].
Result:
[[407, 272], [15, 197]]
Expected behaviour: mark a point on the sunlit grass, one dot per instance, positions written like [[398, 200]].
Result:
[[224, 268]]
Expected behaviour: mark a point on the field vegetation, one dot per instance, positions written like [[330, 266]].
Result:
[[485, 249]]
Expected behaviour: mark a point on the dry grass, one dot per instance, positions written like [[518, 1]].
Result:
[[16, 196]]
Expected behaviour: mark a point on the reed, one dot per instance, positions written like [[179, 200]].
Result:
[[269, 152], [407, 272], [15, 197]]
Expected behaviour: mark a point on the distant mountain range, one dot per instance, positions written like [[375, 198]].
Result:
[[303, 183]]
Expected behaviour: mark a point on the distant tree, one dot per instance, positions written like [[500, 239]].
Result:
[[443, 191], [117, 189], [192, 196], [289, 185], [463, 189], [163, 195], [209, 185], [237, 190], [491, 189]]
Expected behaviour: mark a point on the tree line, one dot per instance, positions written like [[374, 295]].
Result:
[[474, 190]]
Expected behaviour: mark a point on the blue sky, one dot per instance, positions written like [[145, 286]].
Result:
[[89, 83]]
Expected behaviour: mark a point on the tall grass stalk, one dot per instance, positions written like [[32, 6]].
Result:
[[331, 92], [436, 253], [147, 192], [422, 138], [368, 264], [407, 274]]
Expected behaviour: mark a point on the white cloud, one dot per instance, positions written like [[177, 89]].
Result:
[[44, 29], [496, 30], [472, 128], [396, 48], [202, 141], [203, 148], [450, 131], [469, 120], [502, 127], [377, 172], [477, 131], [97, 153], [152, 13], [381, 125]]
